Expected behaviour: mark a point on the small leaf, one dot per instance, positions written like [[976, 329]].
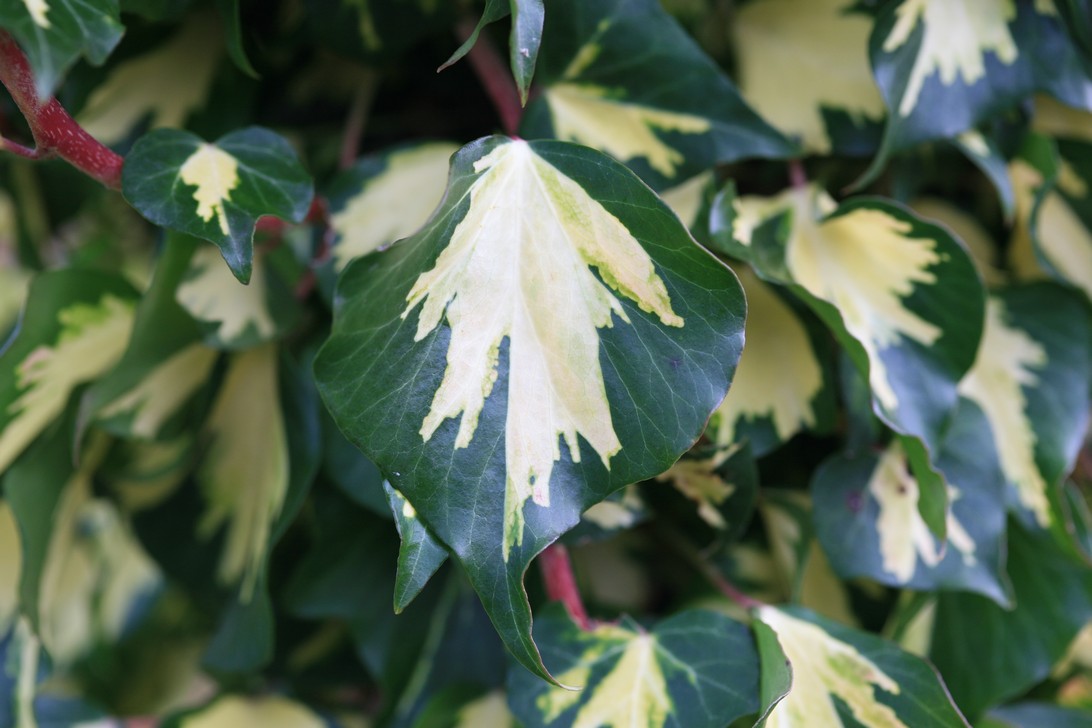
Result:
[[419, 556], [838, 672], [985, 154], [54, 33], [630, 82], [217, 191], [667, 676], [469, 322], [229, 11]]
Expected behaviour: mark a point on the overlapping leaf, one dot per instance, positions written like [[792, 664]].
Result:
[[217, 191], [524, 42], [694, 669], [945, 65], [419, 556], [462, 358], [623, 77]]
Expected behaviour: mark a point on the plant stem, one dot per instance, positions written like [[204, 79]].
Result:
[[557, 572], [55, 132], [494, 75], [797, 176], [357, 118]]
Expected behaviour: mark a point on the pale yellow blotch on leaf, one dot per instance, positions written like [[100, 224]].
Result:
[[210, 292], [163, 391], [588, 115], [980, 245], [904, 537], [632, 694], [778, 374], [1055, 119], [490, 710], [974, 142], [393, 204], [1063, 238], [214, 173], [796, 58], [244, 475], [518, 266], [38, 10], [163, 85], [92, 339], [686, 199], [956, 36], [824, 667], [152, 471], [1007, 362], [917, 636], [610, 514], [271, 711], [865, 265], [698, 480]]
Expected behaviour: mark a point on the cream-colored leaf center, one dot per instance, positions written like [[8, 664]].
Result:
[[211, 293], [956, 36], [38, 10], [518, 266], [587, 114], [1007, 362], [214, 173]]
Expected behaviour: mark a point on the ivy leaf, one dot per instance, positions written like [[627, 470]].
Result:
[[526, 37], [842, 677], [76, 327], [900, 294], [985, 154], [419, 556], [943, 67], [867, 518], [623, 77], [721, 482], [229, 12], [238, 710], [675, 674], [1033, 714], [385, 197], [217, 191], [54, 33], [1031, 381], [502, 347], [830, 105]]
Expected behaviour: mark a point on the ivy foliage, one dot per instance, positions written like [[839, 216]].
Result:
[[763, 328]]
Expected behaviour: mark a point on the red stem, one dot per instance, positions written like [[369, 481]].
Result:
[[796, 174], [494, 75], [55, 131], [557, 572]]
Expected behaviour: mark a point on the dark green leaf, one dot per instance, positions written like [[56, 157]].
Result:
[[419, 556], [229, 11]]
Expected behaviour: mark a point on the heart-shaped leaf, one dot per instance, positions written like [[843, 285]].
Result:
[[501, 384]]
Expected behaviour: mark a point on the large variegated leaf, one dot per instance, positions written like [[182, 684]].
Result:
[[551, 335], [945, 65], [75, 327], [217, 191], [54, 33], [623, 77], [1031, 381], [385, 197], [780, 386], [842, 677], [901, 295], [673, 674], [866, 514], [804, 67], [161, 87]]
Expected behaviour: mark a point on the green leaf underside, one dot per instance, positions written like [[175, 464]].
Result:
[[54, 33], [876, 684], [623, 77], [500, 349], [694, 669], [217, 191], [945, 65]]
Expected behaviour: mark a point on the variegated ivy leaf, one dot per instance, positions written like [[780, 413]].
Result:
[[721, 481], [832, 103], [780, 387], [985, 154], [76, 327], [626, 79], [980, 244], [385, 197], [843, 677], [524, 42], [217, 191], [943, 66], [229, 711], [161, 87], [83, 571], [245, 473], [901, 295], [232, 315], [1031, 381], [621, 510], [419, 556], [552, 334], [867, 519], [54, 33], [670, 675]]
